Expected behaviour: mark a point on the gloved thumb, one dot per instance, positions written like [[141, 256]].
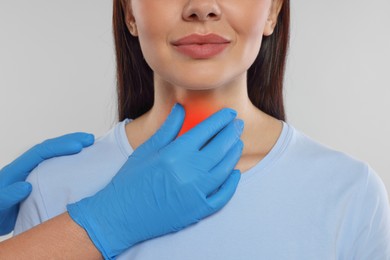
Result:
[[14, 194], [166, 133]]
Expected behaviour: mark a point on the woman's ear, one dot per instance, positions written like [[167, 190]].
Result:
[[272, 20], [129, 18]]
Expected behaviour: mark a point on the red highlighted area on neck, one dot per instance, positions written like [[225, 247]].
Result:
[[195, 113]]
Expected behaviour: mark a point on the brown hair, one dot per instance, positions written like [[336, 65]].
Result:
[[135, 78]]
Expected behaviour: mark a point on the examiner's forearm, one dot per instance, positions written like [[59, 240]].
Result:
[[57, 238]]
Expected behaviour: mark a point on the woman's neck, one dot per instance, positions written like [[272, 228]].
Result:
[[200, 103], [260, 133]]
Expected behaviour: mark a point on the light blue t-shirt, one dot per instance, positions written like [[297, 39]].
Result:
[[302, 201]]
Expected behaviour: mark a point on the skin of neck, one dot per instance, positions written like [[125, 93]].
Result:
[[201, 103]]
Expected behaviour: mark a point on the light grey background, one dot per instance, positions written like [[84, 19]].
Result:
[[57, 74]]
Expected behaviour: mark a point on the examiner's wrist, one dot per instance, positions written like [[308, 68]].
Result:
[[78, 233]]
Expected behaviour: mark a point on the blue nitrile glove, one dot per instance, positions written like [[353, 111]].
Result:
[[166, 184], [14, 189]]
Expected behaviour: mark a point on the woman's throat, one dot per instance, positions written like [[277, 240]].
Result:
[[195, 113]]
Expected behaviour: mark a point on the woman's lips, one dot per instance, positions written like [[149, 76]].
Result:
[[201, 51], [199, 46]]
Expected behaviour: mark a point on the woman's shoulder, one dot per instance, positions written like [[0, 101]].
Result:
[[305, 148], [330, 172], [61, 180], [306, 159], [107, 147]]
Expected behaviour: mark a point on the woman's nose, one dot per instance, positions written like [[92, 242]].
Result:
[[201, 10]]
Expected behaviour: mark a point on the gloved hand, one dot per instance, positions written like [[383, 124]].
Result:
[[14, 189], [166, 184]]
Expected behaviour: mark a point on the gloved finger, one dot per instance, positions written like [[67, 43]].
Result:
[[220, 145], [24, 164], [8, 220], [201, 133], [218, 175], [14, 194], [64, 145], [219, 199], [165, 134]]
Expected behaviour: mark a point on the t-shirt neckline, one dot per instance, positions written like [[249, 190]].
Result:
[[271, 157]]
